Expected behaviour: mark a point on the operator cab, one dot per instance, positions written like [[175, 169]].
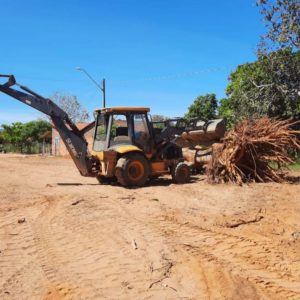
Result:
[[120, 126]]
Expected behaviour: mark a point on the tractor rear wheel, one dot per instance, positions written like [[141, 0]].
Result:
[[181, 173], [132, 170]]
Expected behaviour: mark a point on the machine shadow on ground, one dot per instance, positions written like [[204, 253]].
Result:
[[152, 182]]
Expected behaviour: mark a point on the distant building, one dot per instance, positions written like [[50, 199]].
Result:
[[58, 146]]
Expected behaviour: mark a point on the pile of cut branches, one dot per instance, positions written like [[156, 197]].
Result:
[[255, 150]]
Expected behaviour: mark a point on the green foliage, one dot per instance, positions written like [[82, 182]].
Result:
[[24, 134], [33, 131], [226, 111], [32, 148], [203, 107], [295, 166], [270, 86], [282, 20], [13, 133], [160, 119], [1, 137]]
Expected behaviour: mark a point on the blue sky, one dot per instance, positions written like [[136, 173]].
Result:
[[160, 54]]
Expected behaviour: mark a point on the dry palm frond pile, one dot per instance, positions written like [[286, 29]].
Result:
[[255, 150]]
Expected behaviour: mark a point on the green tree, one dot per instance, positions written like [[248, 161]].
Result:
[[282, 19], [1, 137], [23, 134], [13, 133], [203, 107], [33, 131], [227, 112], [269, 86]]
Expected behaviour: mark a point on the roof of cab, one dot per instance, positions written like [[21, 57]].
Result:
[[123, 109]]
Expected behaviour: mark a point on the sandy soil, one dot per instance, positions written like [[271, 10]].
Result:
[[63, 236]]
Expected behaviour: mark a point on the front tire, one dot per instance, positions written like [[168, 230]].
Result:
[[132, 170], [181, 173]]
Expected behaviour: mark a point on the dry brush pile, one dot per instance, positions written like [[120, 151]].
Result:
[[255, 150]]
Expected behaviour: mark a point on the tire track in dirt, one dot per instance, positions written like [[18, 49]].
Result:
[[62, 239], [18, 254], [60, 285], [69, 251], [148, 231], [257, 264], [131, 264], [86, 249], [205, 277], [93, 245], [238, 255], [121, 264]]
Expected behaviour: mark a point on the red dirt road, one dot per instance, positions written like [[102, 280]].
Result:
[[63, 236]]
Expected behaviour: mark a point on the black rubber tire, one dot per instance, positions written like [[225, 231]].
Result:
[[181, 173], [132, 170]]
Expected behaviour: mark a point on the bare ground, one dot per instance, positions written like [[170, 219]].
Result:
[[63, 236]]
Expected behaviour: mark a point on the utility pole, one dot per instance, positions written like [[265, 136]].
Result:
[[103, 91], [102, 88]]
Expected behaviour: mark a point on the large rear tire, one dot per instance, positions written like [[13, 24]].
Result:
[[132, 170], [181, 173]]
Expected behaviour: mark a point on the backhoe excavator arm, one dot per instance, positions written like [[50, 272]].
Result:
[[72, 137]]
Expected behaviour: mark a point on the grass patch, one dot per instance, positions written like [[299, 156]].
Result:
[[292, 167], [295, 166]]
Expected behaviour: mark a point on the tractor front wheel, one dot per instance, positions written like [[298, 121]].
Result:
[[132, 170], [181, 173]]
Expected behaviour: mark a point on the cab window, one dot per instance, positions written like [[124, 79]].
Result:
[[100, 133], [141, 130], [119, 130]]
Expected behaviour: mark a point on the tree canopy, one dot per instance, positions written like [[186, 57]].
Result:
[[282, 19], [203, 107], [269, 86], [1, 137], [226, 110], [24, 133]]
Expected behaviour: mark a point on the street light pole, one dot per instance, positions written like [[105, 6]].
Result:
[[102, 88]]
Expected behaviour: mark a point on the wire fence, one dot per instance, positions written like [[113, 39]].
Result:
[[33, 148]]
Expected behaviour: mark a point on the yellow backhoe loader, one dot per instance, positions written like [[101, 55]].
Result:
[[127, 147]]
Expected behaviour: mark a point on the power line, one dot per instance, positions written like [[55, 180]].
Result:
[[162, 77], [175, 76], [158, 77]]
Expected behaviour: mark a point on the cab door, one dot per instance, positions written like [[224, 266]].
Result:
[[142, 134]]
